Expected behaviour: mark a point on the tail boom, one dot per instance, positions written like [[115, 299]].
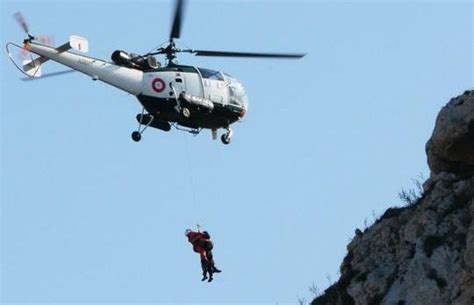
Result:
[[126, 79]]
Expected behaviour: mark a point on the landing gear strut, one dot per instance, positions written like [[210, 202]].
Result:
[[226, 137], [137, 135]]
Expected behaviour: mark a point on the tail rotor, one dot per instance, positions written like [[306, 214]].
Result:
[[21, 20]]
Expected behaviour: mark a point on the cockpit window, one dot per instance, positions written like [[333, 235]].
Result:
[[211, 74]]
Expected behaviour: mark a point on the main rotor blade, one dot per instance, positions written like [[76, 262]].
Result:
[[177, 21], [247, 54]]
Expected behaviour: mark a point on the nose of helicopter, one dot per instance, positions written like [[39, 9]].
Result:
[[237, 94], [245, 105]]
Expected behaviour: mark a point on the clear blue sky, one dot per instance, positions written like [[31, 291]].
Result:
[[90, 216]]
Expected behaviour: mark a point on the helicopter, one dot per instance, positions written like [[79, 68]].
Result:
[[186, 97]]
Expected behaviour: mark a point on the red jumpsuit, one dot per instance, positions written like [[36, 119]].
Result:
[[199, 242], [197, 239]]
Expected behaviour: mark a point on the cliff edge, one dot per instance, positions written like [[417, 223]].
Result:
[[422, 253]]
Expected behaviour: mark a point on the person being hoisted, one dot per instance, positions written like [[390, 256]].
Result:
[[203, 245]]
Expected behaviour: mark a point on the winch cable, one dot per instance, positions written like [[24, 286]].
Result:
[[192, 182]]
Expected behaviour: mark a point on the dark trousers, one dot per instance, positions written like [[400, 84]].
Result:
[[207, 265]]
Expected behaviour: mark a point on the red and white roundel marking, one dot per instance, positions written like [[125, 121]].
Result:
[[158, 85]]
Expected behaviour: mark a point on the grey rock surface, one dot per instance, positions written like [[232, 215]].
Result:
[[422, 253], [451, 147]]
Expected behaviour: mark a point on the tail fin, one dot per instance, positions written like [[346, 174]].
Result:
[[78, 43], [33, 68]]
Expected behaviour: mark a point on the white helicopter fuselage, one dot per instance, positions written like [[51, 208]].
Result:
[[213, 99], [210, 91]]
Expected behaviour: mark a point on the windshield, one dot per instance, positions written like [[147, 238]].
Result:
[[211, 74]]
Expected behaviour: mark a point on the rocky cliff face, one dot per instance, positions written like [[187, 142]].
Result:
[[422, 253]]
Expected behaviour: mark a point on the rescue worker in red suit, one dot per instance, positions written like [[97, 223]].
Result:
[[203, 245]]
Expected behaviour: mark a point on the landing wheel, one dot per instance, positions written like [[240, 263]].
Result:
[[136, 136], [225, 139], [185, 112]]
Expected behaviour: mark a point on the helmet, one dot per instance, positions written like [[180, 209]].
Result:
[[186, 233], [206, 235]]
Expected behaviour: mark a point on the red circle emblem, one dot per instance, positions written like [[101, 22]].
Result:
[[158, 85]]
